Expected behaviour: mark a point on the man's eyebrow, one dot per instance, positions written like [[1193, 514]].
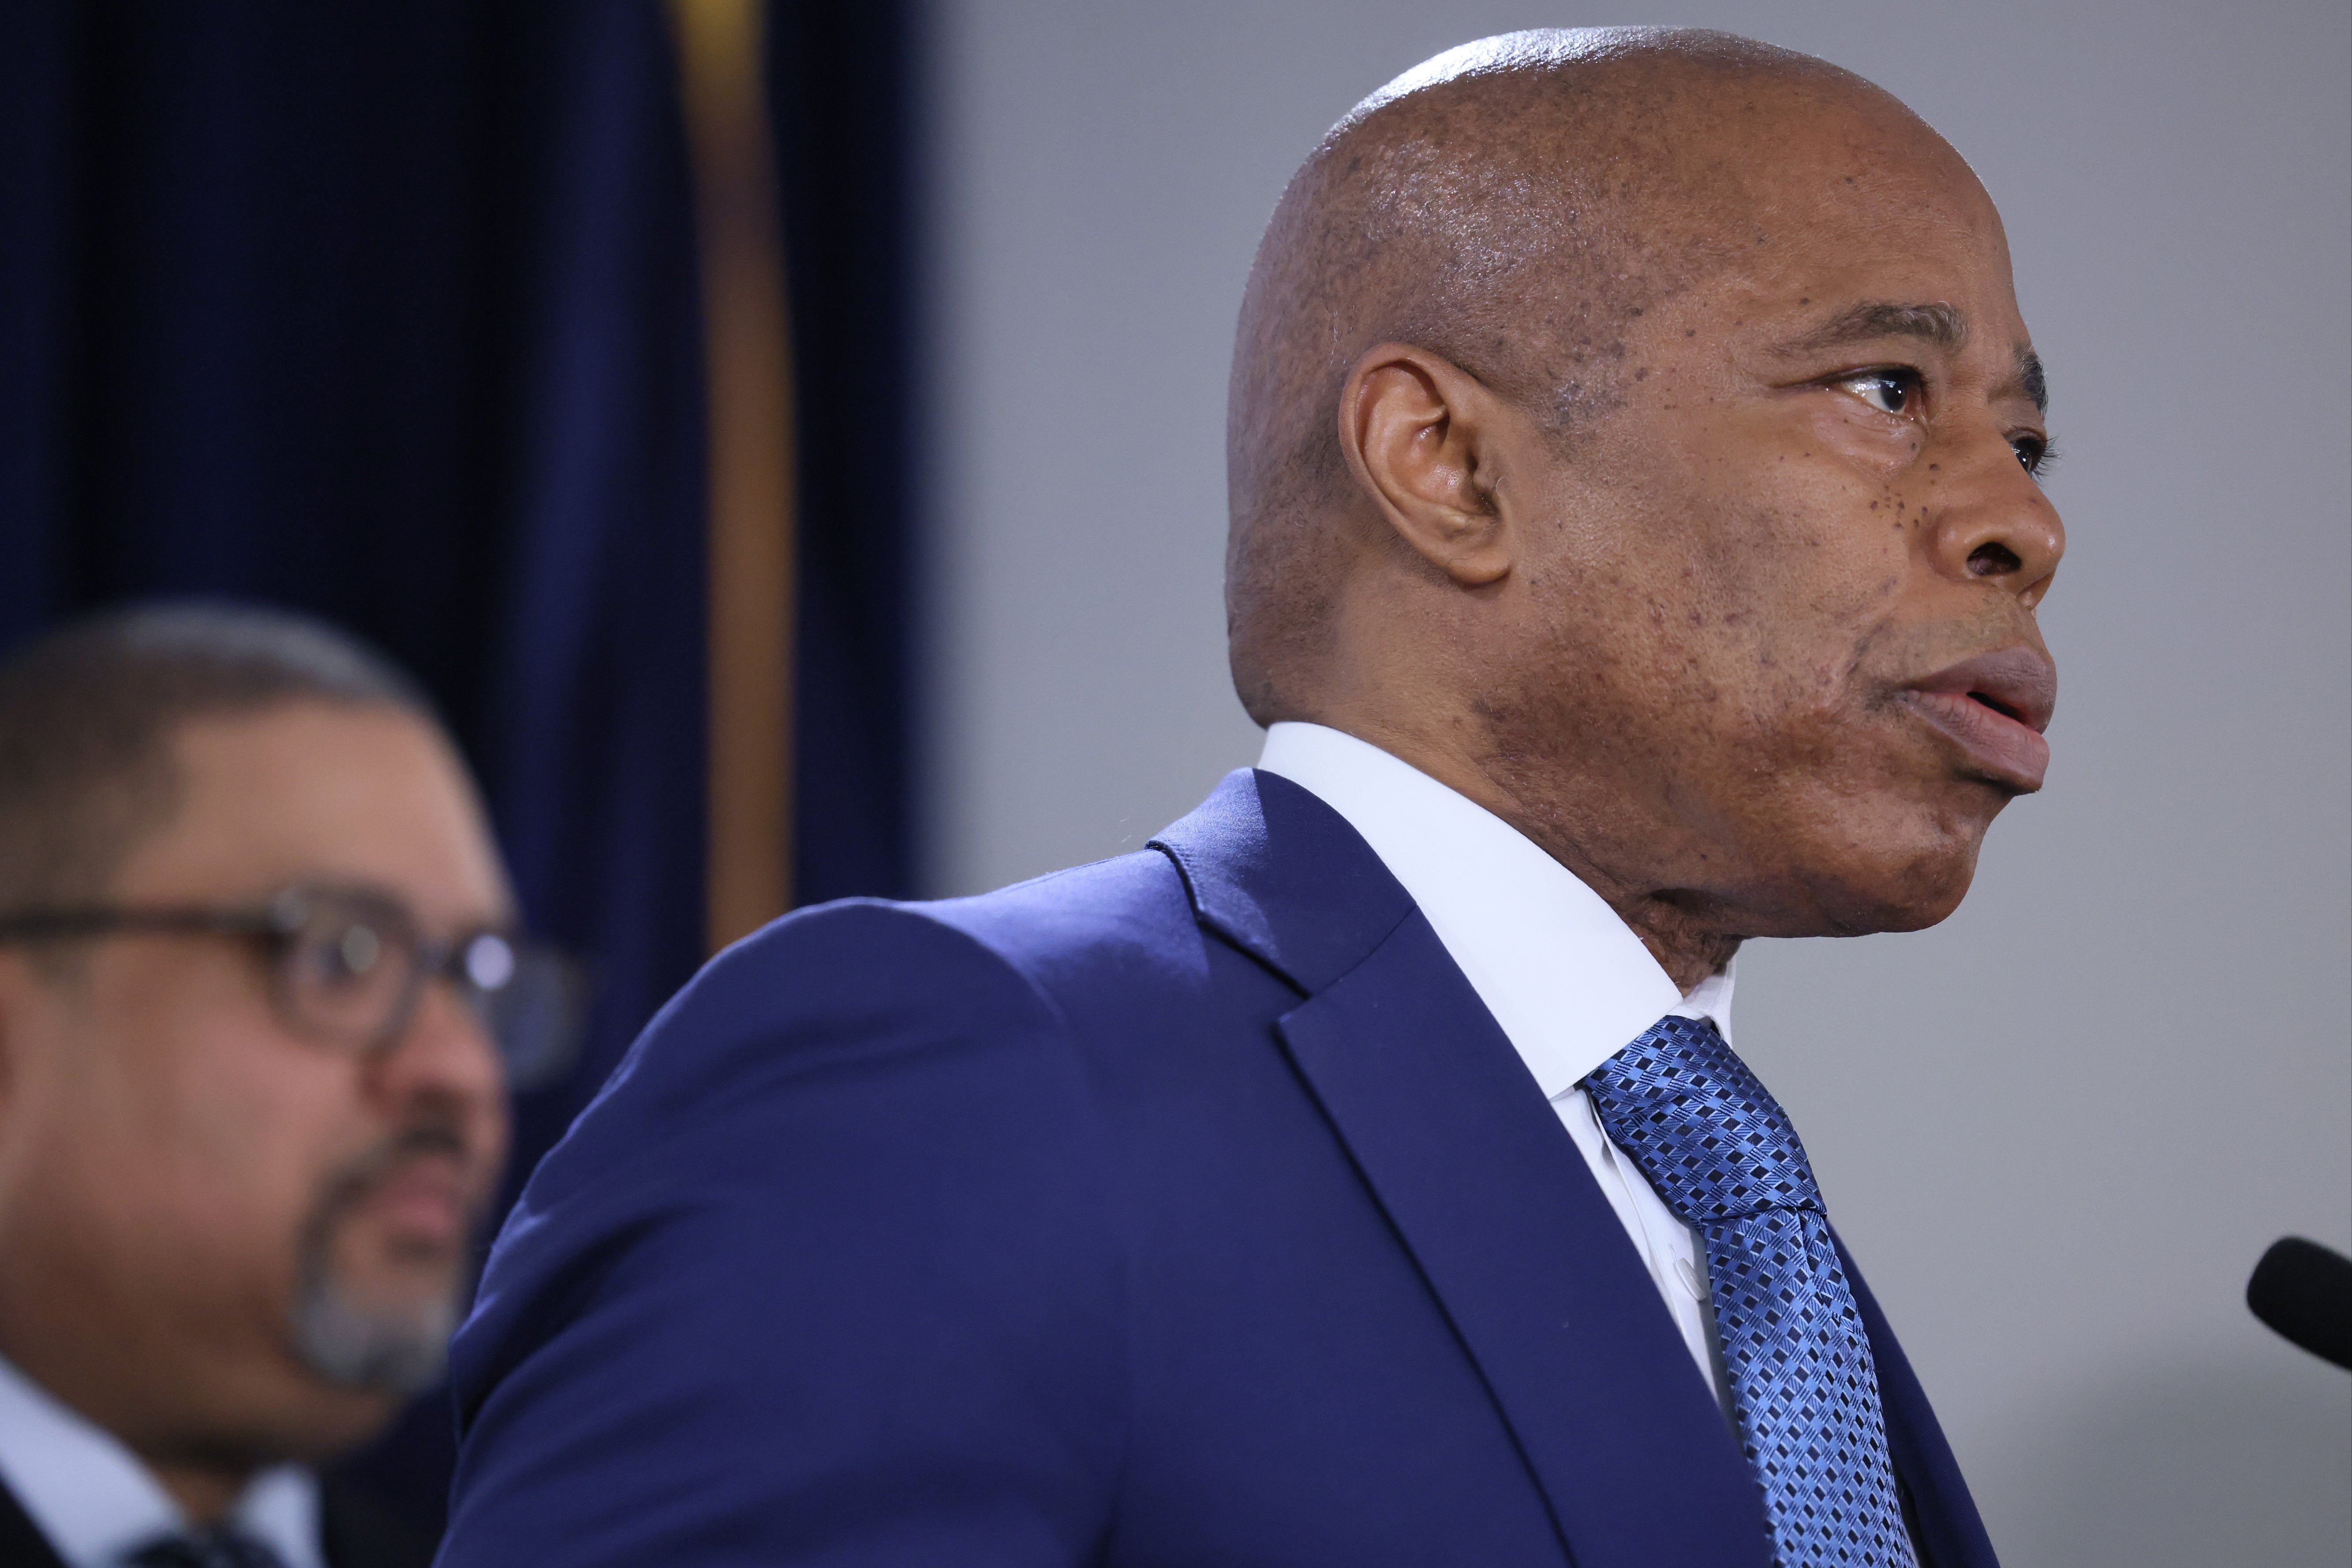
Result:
[[1936, 323], [2031, 380]]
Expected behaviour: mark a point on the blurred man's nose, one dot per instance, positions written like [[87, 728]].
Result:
[[447, 1056]]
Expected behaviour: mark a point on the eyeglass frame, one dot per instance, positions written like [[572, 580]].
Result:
[[278, 921]]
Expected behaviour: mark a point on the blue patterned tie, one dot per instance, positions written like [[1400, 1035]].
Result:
[[1719, 1151]]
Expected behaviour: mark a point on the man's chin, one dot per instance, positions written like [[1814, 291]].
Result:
[[394, 1347], [1900, 892], [1907, 875]]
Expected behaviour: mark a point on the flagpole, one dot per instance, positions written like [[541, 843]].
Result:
[[747, 337]]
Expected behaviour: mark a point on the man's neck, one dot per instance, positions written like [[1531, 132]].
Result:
[[1687, 945]]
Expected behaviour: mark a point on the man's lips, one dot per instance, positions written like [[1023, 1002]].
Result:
[[423, 1199], [1995, 706]]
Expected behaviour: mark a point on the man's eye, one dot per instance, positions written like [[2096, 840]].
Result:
[[2033, 453], [342, 956], [1888, 391]]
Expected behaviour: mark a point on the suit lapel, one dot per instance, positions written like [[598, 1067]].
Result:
[[22, 1545], [353, 1533], [1548, 1295], [1946, 1515], [1485, 1188]]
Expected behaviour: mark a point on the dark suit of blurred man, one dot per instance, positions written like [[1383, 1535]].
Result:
[[1635, 549]]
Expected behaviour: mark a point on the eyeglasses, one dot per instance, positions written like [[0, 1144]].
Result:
[[349, 966]]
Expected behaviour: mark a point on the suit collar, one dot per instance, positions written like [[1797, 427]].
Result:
[[1281, 875], [1486, 1191], [1562, 973], [90, 1497], [21, 1543]]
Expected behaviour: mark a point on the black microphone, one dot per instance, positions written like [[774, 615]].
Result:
[[2303, 1292]]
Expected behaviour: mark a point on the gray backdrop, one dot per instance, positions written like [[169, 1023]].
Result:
[[2059, 1129]]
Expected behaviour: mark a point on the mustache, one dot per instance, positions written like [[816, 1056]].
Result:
[[429, 1134], [1897, 659]]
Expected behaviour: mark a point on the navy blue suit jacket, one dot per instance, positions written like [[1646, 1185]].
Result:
[[1183, 1209]]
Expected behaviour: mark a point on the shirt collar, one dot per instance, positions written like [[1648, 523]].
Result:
[[1567, 981], [94, 1501]]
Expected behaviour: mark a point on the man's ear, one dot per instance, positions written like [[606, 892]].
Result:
[[19, 993], [1421, 438], [30, 997], [20, 999]]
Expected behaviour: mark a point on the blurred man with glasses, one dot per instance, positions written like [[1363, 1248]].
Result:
[[259, 1001]]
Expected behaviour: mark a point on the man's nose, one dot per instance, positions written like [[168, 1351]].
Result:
[[444, 1054], [1992, 523]]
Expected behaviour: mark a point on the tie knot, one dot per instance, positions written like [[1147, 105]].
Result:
[[1711, 1140]]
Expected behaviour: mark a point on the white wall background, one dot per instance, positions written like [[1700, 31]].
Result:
[[2059, 1129]]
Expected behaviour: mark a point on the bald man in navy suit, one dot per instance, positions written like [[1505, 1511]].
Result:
[[1636, 546]]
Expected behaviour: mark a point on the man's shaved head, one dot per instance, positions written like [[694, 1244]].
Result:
[[1635, 430], [1509, 205]]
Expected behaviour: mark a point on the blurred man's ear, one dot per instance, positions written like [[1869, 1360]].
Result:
[[15, 976], [20, 1005], [36, 988], [20, 987], [30, 992]]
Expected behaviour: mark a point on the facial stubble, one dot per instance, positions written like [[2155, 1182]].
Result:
[[341, 1333]]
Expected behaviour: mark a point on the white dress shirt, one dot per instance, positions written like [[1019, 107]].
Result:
[[1569, 982], [97, 1503]]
